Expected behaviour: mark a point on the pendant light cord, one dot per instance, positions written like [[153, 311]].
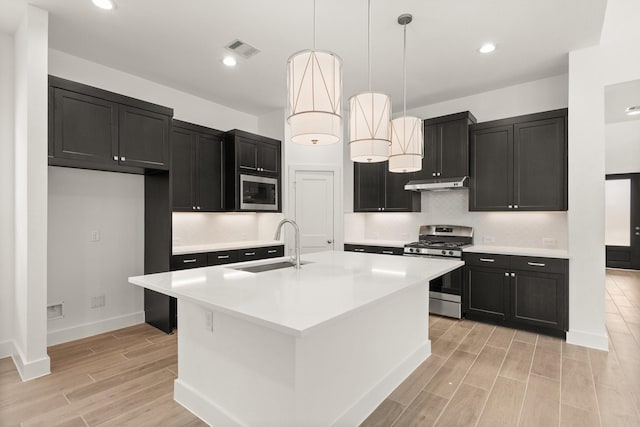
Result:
[[369, 41], [404, 71], [314, 24]]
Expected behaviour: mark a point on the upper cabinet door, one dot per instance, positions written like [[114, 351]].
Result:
[[491, 185], [396, 198], [247, 154], [209, 173], [85, 128], [540, 165], [269, 158], [144, 138], [182, 169], [453, 149], [368, 191], [429, 163]]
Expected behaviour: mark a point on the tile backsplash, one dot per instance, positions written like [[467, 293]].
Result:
[[200, 228], [520, 229]]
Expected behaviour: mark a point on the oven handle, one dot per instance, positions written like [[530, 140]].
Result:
[[487, 260]]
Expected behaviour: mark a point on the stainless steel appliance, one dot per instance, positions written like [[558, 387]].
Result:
[[445, 292], [258, 193]]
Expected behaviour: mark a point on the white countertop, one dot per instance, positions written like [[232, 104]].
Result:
[[332, 285], [212, 247], [512, 250], [372, 242]]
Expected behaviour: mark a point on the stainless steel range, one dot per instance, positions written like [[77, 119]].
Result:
[[445, 292]]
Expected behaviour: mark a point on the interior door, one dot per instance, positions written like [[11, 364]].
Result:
[[622, 221], [314, 206]]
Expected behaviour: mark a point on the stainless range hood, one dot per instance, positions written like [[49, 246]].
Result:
[[438, 184]]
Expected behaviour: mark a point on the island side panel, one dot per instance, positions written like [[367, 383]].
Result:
[[345, 369], [239, 373]]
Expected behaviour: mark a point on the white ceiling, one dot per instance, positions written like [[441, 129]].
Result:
[[617, 98], [180, 43]]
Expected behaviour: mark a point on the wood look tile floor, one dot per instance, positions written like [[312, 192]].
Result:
[[478, 375]]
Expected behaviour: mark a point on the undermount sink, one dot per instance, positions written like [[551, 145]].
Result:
[[268, 267]]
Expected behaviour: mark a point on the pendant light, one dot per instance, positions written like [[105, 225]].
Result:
[[369, 116], [407, 134], [314, 81]]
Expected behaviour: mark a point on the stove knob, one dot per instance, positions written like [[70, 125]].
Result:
[[450, 252], [444, 252], [410, 249]]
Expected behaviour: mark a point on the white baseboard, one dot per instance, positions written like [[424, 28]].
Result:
[[6, 349], [369, 402], [30, 370], [588, 339], [202, 407], [89, 329]]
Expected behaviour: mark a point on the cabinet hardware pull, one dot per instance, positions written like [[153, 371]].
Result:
[[536, 264], [187, 261], [487, 260], [513, 274], [194, 208], [510, 206], [506, 274], [249, 253], [388, 252], [115, 158], [223, 256], [433, 174], [359, 250], [122, 159], [198, 208], [273, 251], [515, 206]]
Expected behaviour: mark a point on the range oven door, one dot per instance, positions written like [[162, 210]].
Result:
[[445, 294]]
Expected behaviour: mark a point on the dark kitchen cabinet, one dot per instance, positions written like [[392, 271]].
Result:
[[196, 168], [92, 128], [251, 154], [519, 163], [378, 190], [522, 292], [446, 146]]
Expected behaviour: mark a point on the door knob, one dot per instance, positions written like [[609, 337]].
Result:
[[329, 241]]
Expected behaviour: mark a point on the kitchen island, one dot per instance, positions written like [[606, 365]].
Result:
[[321, 346]]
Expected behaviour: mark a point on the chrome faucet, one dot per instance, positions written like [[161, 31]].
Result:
[[297, 230]]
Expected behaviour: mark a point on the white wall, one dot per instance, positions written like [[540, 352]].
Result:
[[6, 195], [508, 229], [520, 229], [202, 228], [81, 201], [622, 147], [30, 92], [614, 61], [186, 107]]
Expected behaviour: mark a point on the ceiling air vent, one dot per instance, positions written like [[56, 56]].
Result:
[[243, 49]]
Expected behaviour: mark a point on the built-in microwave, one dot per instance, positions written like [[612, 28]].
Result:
[[258, 193]]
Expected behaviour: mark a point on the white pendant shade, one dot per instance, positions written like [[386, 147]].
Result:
[[315, 92], [369, 127], [407, 145]]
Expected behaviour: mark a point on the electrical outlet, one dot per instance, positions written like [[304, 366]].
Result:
[[549, 242], [209, 320], [97, 301], [95, 235], [488, 239]]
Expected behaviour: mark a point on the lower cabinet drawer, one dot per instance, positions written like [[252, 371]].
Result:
[[356, 248], [387, 250], [487, 260], [542, 265], [271, 251], [249, 254], [183, 262], [222, 257]]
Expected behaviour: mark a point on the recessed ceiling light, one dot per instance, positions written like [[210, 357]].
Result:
[[487, 48], [229, 61], [105, 4], [633, 111]]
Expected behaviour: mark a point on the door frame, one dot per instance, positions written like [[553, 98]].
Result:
[[633, 252], [338, 214]]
